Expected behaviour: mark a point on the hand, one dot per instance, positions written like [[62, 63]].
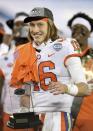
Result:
[[75, 44], [25, 101], [83, 89], [57, 88]]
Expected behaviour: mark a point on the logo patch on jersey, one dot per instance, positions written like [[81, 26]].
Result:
[[57, 46], [49, 55]]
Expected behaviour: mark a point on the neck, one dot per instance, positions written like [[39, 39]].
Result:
[[84, 45]]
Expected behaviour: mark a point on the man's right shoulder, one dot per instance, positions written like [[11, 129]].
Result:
[[23, 46]]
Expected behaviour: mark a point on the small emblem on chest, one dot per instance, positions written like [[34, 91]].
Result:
[[57, 46]]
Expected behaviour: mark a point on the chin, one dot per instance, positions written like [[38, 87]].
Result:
[[39, 41]]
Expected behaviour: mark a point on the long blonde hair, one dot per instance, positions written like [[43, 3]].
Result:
[[52, 32]]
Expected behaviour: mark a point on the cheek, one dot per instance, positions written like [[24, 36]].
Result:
[[45, 31], [45, 28]]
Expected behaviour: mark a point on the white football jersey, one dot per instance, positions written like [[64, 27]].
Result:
[[51, 68], [10, 101], [3, 49]]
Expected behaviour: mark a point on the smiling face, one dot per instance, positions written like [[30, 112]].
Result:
[[38, 31], [80, 33]]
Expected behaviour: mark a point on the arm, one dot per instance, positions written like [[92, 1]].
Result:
[[79, 89], [79, 86], [77, 74]]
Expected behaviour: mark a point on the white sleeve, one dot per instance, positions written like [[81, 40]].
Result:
[[76, 70], [73, 64]]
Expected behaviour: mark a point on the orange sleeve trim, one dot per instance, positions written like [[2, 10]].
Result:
[[76, 55]]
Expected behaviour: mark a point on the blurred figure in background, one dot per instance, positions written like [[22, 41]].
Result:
[[5, 40], [81, 26], [3, 48], [19, 28], [2, 32], [11, 102]]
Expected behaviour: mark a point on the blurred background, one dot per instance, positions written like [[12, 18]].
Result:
[[63, 10]]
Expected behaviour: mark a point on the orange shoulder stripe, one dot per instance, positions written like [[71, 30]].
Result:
[[76, 55]]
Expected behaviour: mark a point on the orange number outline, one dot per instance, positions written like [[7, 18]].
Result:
[[43, 75]]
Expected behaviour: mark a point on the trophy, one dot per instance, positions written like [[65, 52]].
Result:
[[24, 119]]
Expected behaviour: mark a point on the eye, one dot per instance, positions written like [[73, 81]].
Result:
[[74, 29], [32, 25], [83, 31], [40, 24]]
